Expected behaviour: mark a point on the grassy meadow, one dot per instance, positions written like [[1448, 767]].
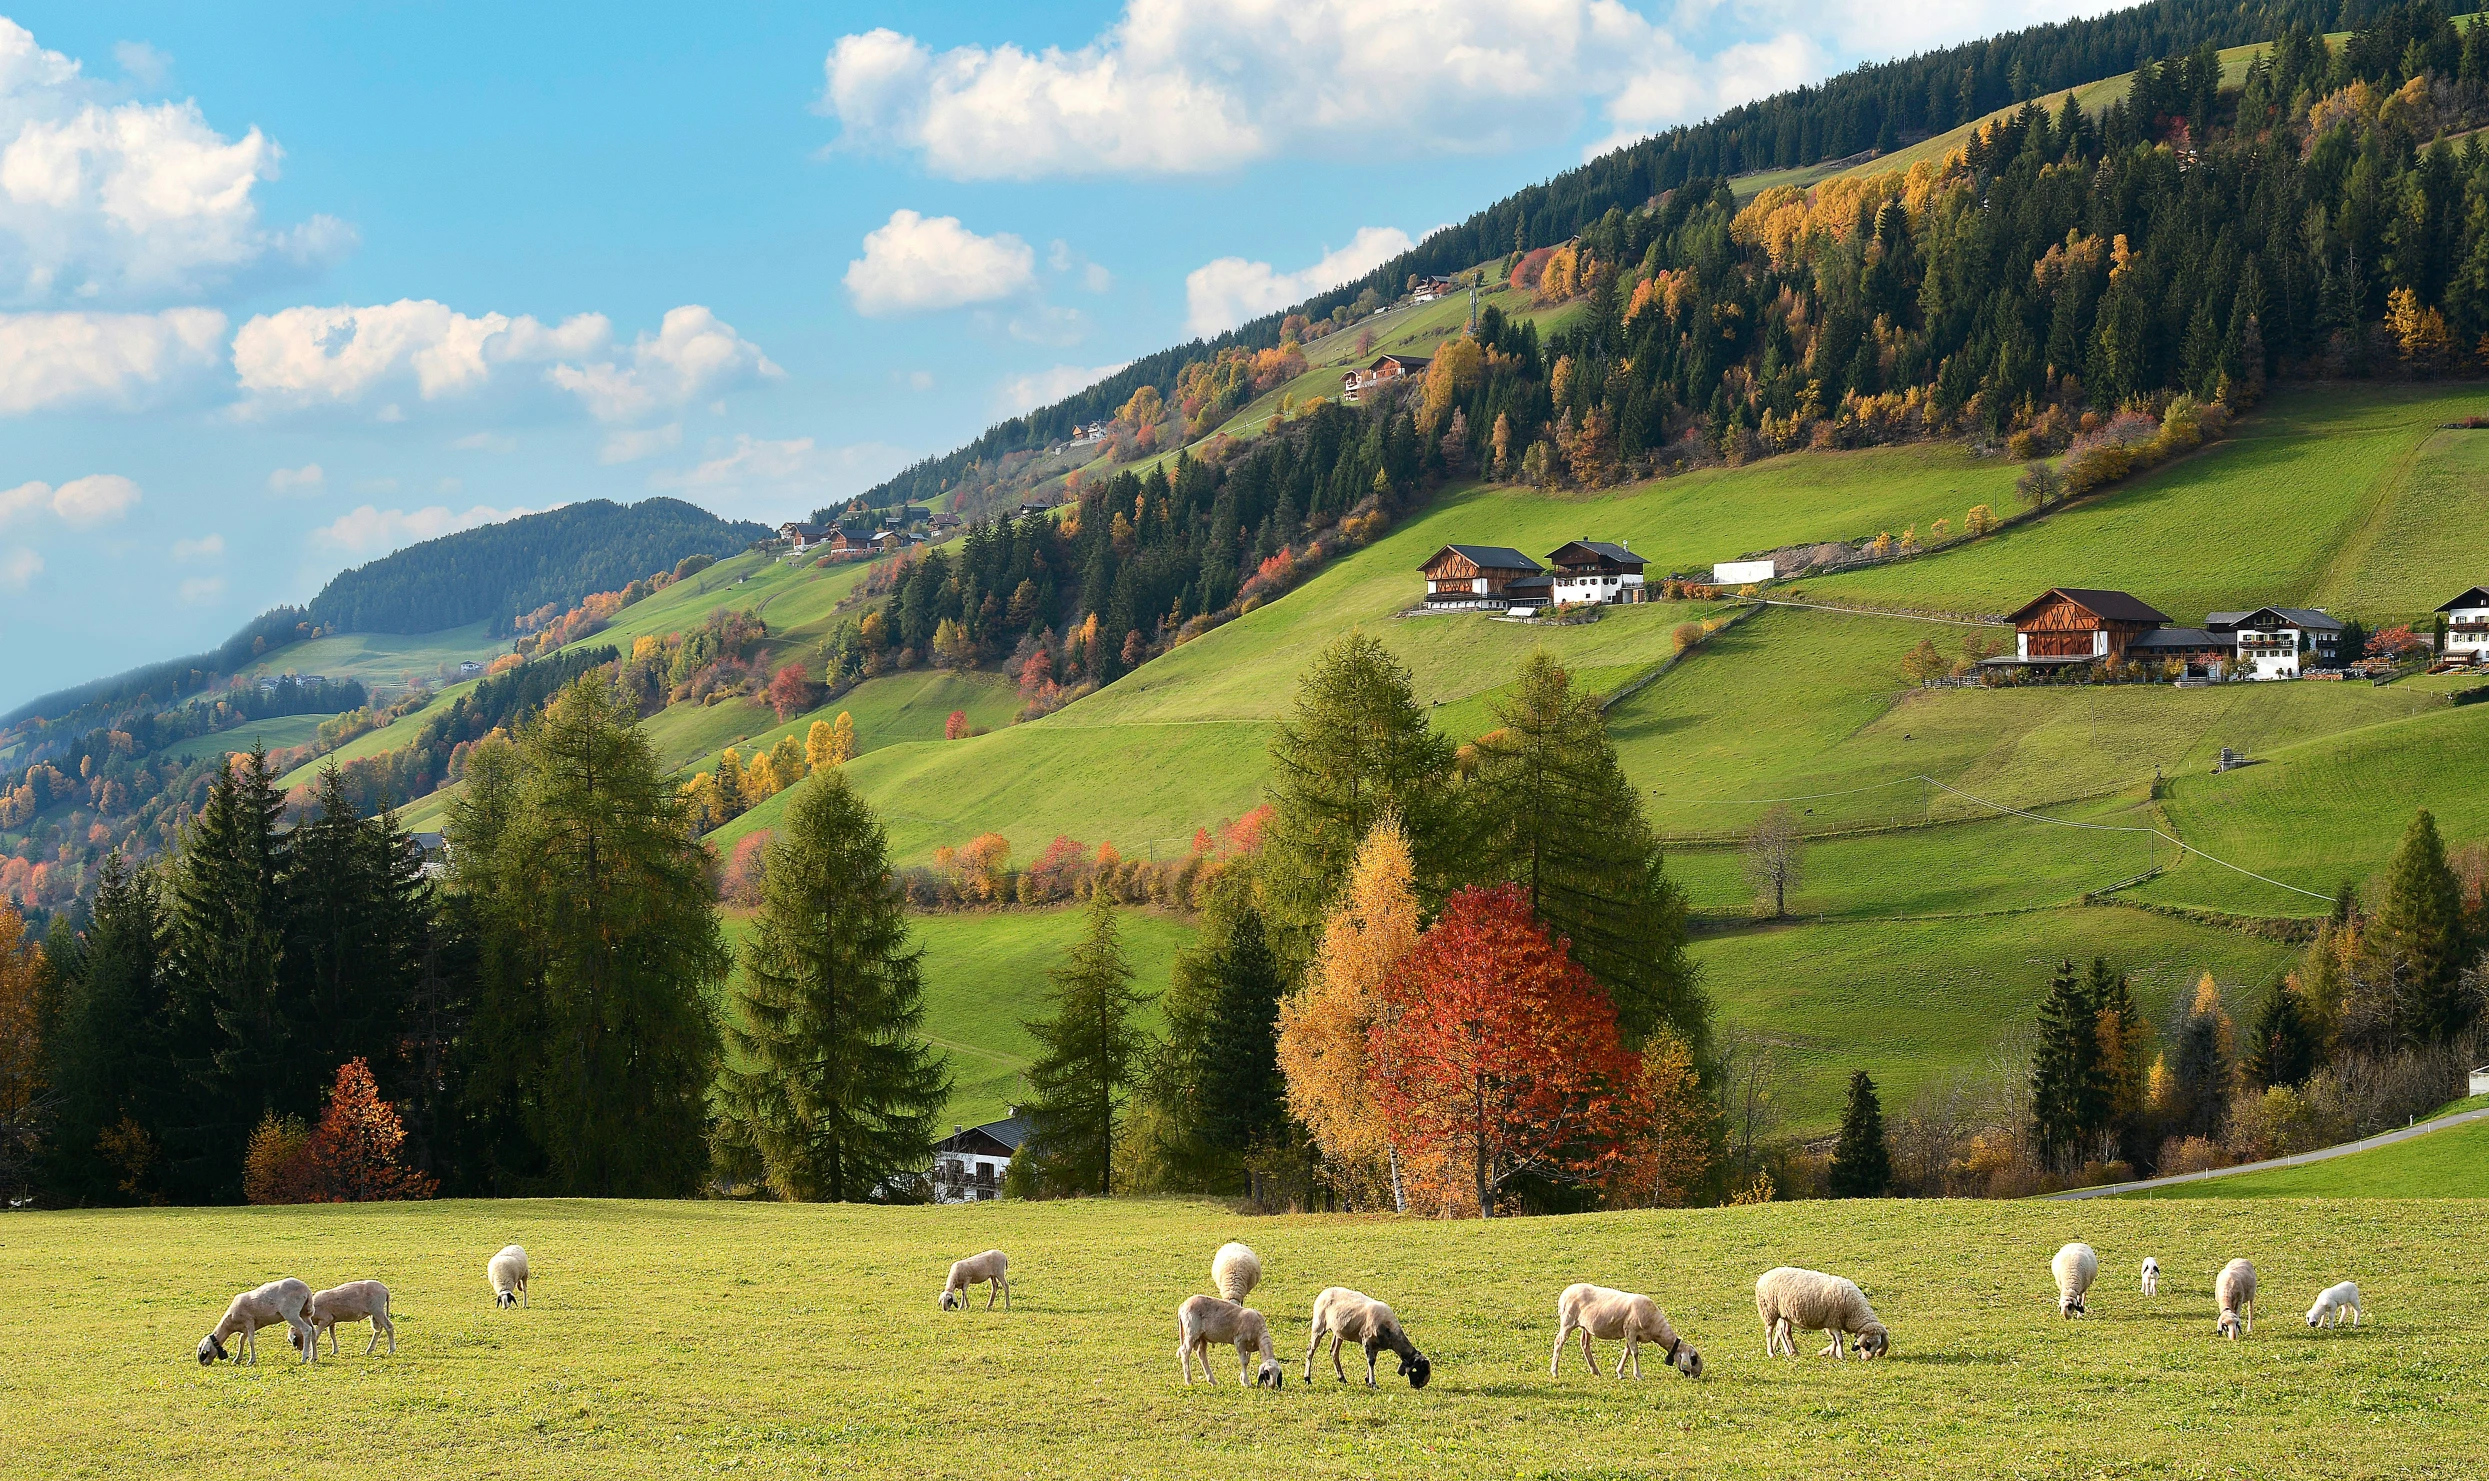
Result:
[[803, 1340], [2453, 1163]]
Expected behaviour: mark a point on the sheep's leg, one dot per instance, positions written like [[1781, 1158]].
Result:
[[1555, 1364], [1588, 1356], [1006, 1280], [1633, 1351], [1309, 1353], [1371, 1347], [1184, 1358], [1336, 1338]]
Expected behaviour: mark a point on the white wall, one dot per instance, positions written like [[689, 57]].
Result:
[[1739, 573]]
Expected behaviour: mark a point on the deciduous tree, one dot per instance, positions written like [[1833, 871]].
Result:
[[1775, 860], [352, 1155], [26, 1101], [1323, 1026]]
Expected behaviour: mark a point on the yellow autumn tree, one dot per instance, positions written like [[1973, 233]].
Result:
[[817, 742], [760, 780], [1323, 1024], [1455, 368], [730, 786], [788, 761]]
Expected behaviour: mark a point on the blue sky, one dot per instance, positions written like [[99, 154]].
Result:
[[286, 286]]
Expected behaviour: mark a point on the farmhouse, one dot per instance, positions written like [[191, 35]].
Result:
[[2467, 625], [2072, 624], [1430, 289], [1595, 571], [1386, 368], [968, 1164], [2279, 642], [1459, 577], [803, 536]]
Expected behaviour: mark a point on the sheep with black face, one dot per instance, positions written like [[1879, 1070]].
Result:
[[1204, 1320], [286, 1301], [991, 1268], [1344, 1315]]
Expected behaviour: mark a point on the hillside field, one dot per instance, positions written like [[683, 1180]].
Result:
[[2453, 1163], [803, 1340]]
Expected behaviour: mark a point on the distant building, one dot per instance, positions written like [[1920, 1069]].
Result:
[[2467, 624], [469, 668], [802, 536], [1385, 369], [1033, 507], [1741, 573], [1459, 577], [968, 1164], [2072, 624], [2280, 642], [943, 524], [1430, 289], [1595, 571]]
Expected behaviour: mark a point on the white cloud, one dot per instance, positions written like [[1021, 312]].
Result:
[[1220, 295], [693, 355], [753, 460], [1024, 393], [1678, 87], [142, 64], [19, 567], [104, 201], [486, 442], [205, 548], [913, 263], [370, 531], [914, 380], [629, 446], [199, 590], [81, 501], [59, 361], [303, 356], [310, 478]]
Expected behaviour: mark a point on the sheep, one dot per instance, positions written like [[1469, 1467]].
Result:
[[990, 1267], [1235, 1271], [2151, 1276], [1790, 1301], [2236, 1289], [508, 1273], [1342, 1314], [2332, 1301], [2075, 1267], [355, 1301], [1202, 1320], [287, 1301], [1596, 1311]]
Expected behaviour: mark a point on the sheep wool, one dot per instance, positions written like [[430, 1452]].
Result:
[[2076, 1267], [1345, 1315], [355, 1301], [992, 1269], [508, 1273], [2235, 1288], [1203, 1320], [1235, 1271], [2332, 1302], [1790, 1301], [1618, 1316]]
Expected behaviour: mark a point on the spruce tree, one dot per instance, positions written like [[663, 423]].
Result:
[[107, 1054], [2416, 938], [2123, 1069], [844, 1090], [2282, 1052], [2065, 1069], [356, 908], [1243, 1099], [1089, 1050], [1862, 1165]]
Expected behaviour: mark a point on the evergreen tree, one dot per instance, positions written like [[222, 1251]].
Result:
[[356, 918], [2416, 938], [2282, 1052], [1089, 1050], [2065, 1070], [844, 1091], [106, 1054], [1862, 1165], [2124, 1044], [1243, 1099], [600, 945]]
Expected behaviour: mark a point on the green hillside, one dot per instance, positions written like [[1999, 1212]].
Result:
[[276, 735], [2453, 1163]]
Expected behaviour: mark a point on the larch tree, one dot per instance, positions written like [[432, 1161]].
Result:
[[844, 1091], [26, 1101], [352, 1155], [1322, 1047], [1090, 1051]]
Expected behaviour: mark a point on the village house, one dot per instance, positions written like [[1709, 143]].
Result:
[[2279, 642], [801, 537], [968, 1164], [1595, 571], [2467, 625], [1430, 289], [1033, 507], [1385, 369], [1463, 577], [2072, 624]]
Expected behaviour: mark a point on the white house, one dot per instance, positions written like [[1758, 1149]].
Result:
[[968, 1164], [1740, 573], [1595, 571], [2467, 625], [2280, 642]]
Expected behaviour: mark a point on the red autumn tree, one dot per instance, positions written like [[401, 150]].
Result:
[[1499, 1054], [956, 726], [353, 1153], [790, 692]]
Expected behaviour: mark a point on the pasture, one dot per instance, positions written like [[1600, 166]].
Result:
[[2453, 1163], [802, 1340]]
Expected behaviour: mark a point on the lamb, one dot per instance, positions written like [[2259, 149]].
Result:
[[1235, 1271], [2075, 1267], [1342, 1314], [2235, 1287], [1790, 1301], [355, 1301], [1202, 1320], [287, 1301], [2151, 1276], [508, 1273], [1596, 1311], [989, 1267], [2332, 1301]]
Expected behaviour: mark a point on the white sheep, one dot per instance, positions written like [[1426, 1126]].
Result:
[[2235, 1288], [355, 1301], [1203, 1320], [1618, 1316], [2332, 1301], [287, 1301], [508, 1273], [1344, 1315], [2076, 1267], [2151, 1276], [1235, 1271], [992, 1267], [1790, 1301]]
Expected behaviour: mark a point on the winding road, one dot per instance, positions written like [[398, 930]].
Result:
[[2301, 1159]]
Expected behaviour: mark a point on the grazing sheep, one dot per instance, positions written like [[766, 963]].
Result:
[[2076, 1267], [2151, 1276], [287, 1301], [355, 1301], [508, 1273], [2236, 1289], [1202, 1320], [1342, 1314], [1616, 1316], [2332, 1301], [1235, 1271], [1790, 1301], [990, 1267]]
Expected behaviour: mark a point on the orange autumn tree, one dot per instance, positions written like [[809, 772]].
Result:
[[1500, 1055], [23, 1097], [353, 1152], [1323, 1025]]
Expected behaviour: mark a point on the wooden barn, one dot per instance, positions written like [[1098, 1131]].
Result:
[[2073, 624], [1459, 576]]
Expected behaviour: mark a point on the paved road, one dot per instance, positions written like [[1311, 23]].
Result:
[[2382, 1139]]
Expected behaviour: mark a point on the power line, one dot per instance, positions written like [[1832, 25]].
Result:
[[2113, 828]]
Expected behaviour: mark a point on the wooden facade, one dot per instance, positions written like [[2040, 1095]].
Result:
[[2073, 623], [1475, 573]]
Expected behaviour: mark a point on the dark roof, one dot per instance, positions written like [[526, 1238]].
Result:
[[1405, 362], [2182, 637], [1531, 583], [1490, 557], [2478, 596], [1600, 549], [2112, 606], [2307, 618]]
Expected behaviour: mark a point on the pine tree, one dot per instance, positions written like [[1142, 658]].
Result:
[[2416, 938], [2065, 1069], [844, 1090], [1242, 1096], [2282, 1052], [1862, 1165], [1089, 1052], [356, 915], [106, 1056]]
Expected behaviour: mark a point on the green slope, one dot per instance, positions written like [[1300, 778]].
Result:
[[2453, 1163], [276, 735]]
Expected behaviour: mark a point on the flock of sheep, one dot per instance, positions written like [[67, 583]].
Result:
[[306, 1314]]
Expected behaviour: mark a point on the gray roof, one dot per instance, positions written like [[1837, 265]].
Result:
[[1494, 557], [2182, 637], [1602, 549], [2307, 618]]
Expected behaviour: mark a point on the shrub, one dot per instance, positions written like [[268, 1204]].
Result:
[[2190, 1154], [1688, 635], [277, 1166]]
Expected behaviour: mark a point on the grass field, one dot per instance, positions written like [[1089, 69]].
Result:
[[384, 658], [802, 1340], [276, 734], [886, 711], [2453, 1163]]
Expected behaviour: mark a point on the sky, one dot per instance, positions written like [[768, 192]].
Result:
[[284, 287]]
